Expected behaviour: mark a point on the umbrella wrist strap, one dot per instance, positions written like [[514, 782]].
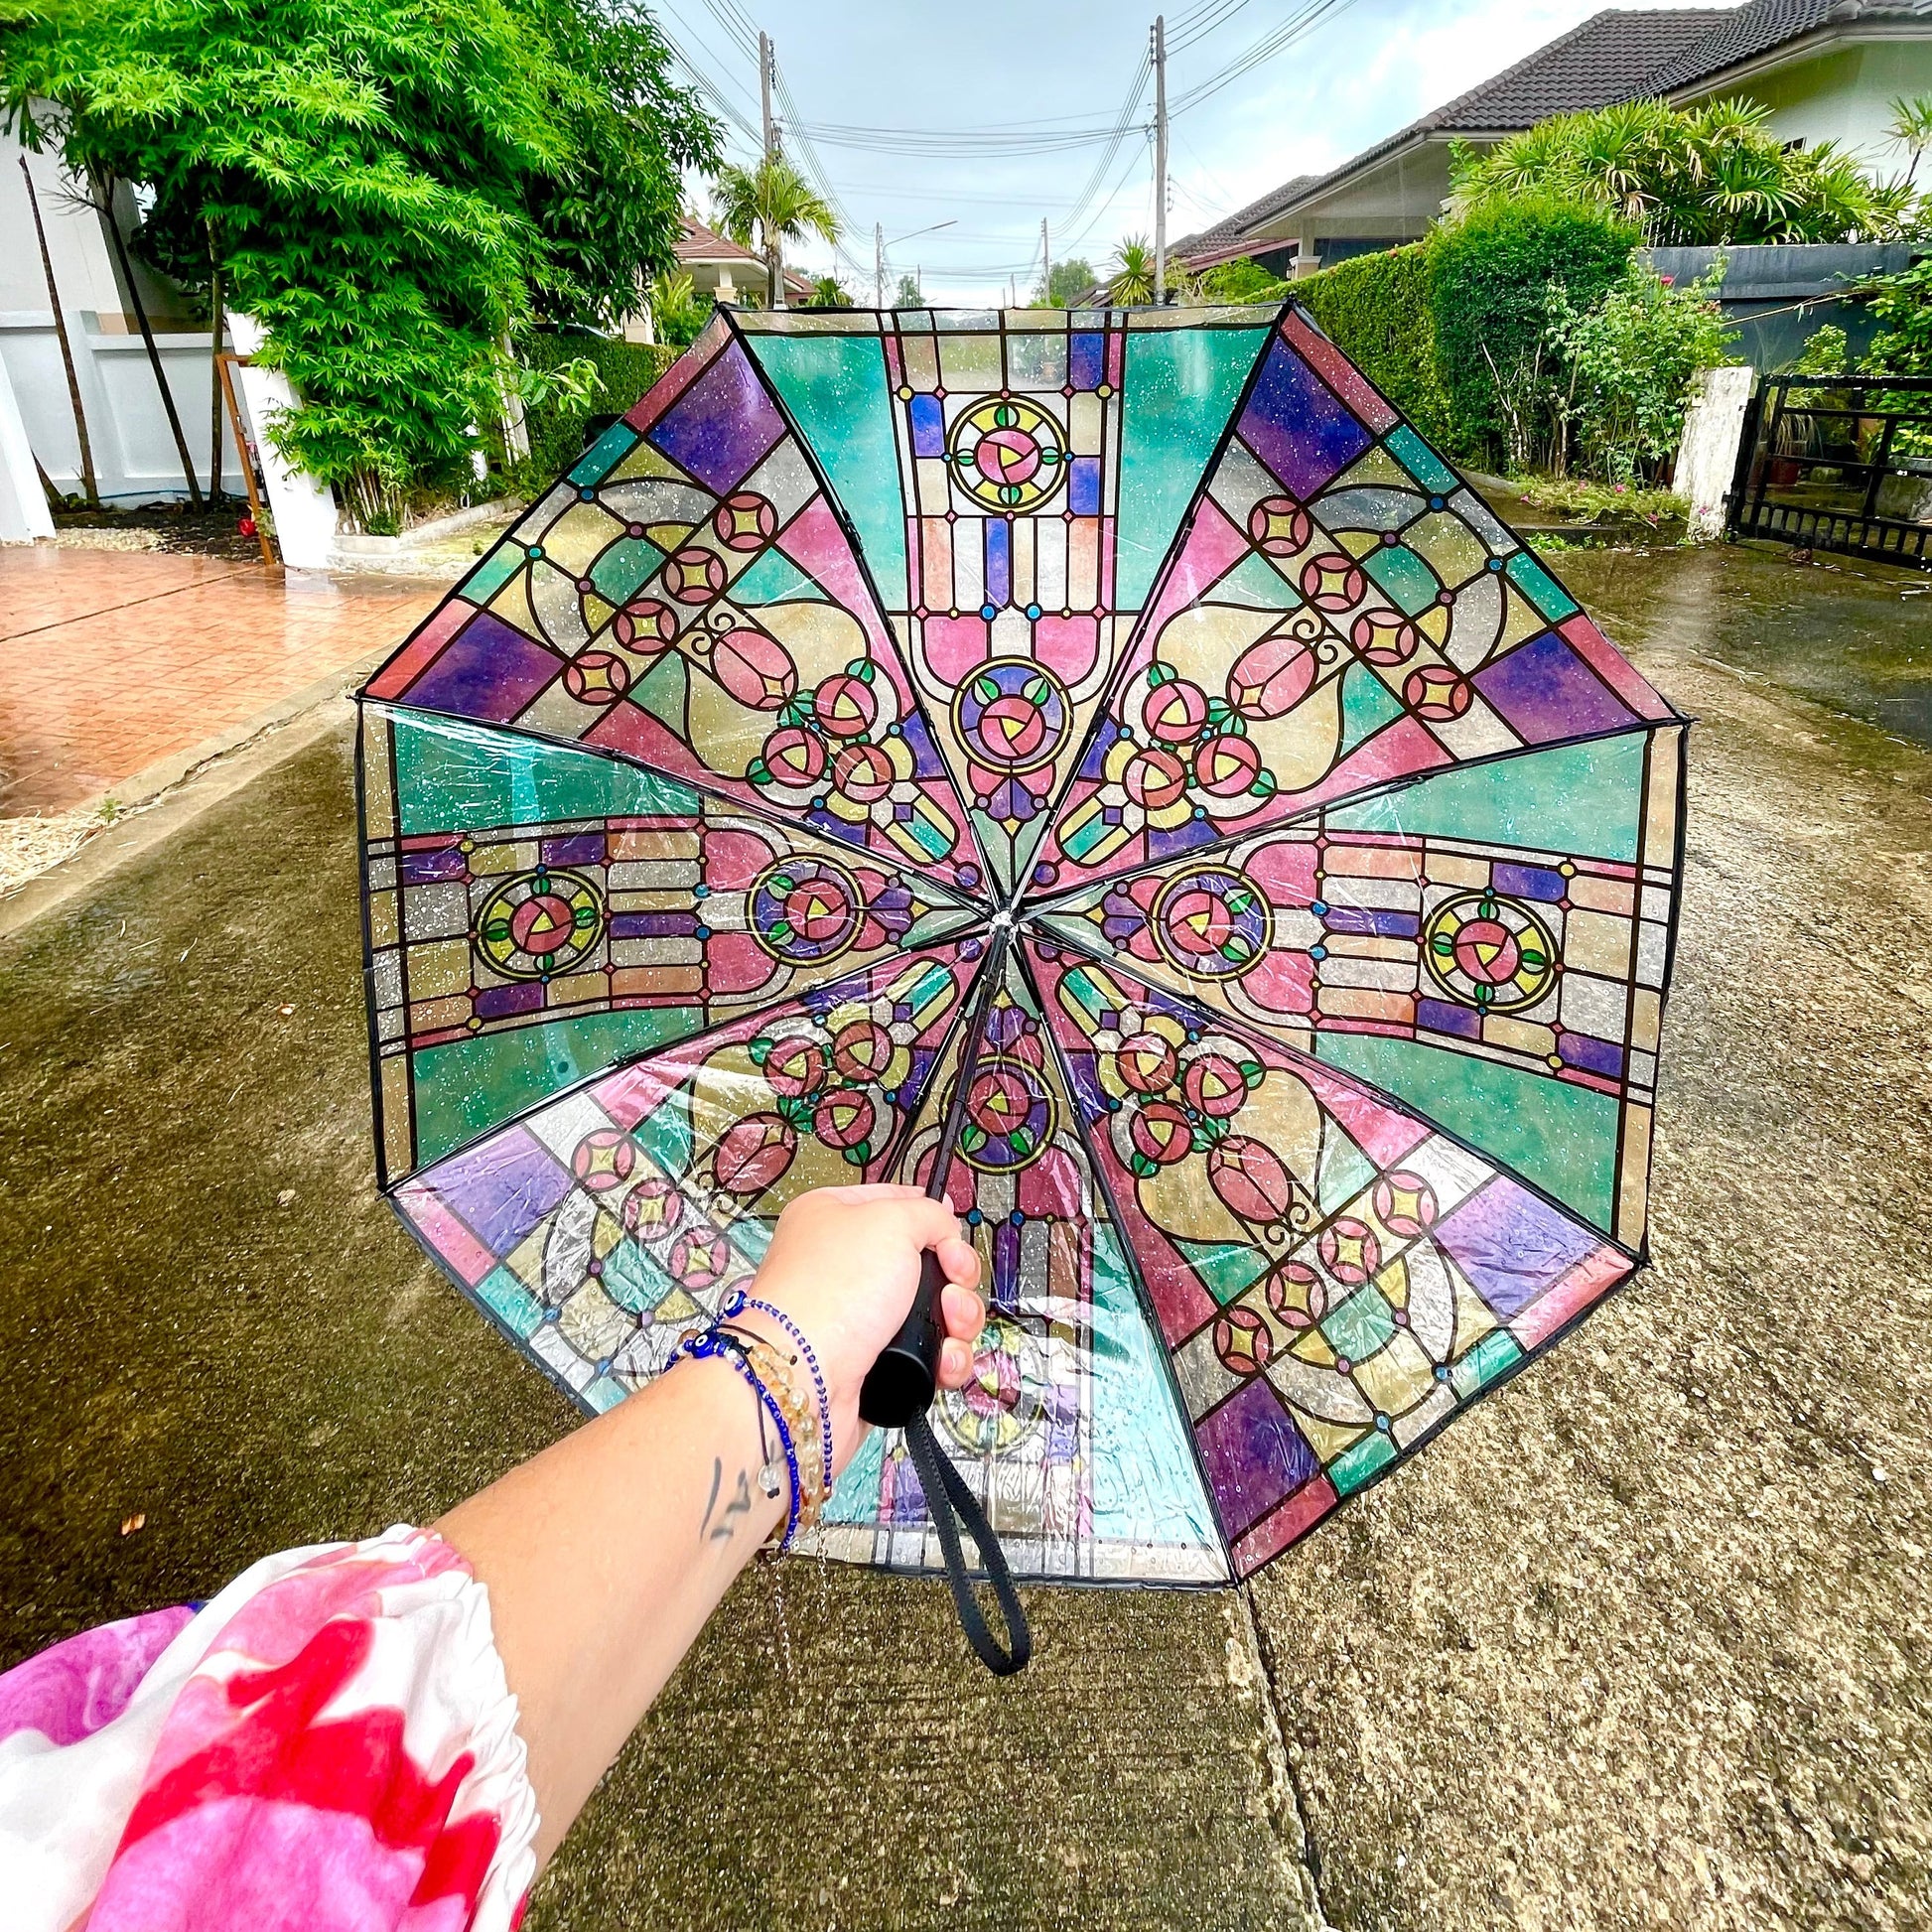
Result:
[[953, 1506]]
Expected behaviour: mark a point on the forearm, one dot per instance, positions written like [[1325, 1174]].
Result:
[[602, 1558]]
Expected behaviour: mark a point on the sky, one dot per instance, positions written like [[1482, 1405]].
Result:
[[1359, 69]]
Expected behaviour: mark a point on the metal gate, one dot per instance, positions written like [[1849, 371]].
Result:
[[1835, 463]]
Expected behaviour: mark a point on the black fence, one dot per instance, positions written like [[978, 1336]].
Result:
[[1836, 464]]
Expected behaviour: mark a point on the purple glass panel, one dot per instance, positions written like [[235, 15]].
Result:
[[1511, 1245], [424, 868], [929, 426], [1298, 426], [1593, 1055], [1440, 1016], [498, 1002], [1086, 360], [722, 424], [1526, 882], [1083, 486], [1380, 920], [502, 1188], [486, 670], [581, 849], [1545, 691], [653, 926], [999, 560], [1253, 1453]]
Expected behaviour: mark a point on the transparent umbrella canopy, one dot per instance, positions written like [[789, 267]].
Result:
[[1339, 849]]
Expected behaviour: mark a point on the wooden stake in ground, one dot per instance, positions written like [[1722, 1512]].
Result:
[[105, 203], [88, 485], [224, 365]]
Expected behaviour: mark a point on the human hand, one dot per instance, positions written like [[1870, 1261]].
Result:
[[844, 1265]]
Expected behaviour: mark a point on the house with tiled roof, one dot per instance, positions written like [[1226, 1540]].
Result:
[[1827, 69]]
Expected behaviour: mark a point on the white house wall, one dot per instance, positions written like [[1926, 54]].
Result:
[[1844, 94]]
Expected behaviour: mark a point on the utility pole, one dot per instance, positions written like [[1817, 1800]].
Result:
[[1160, 157], [773, 267], [879, 264], [1046, 263]]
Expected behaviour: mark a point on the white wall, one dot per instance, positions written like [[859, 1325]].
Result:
[[134, 452], [1845, 94]]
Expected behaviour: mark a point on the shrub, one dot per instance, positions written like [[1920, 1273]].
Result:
[[1824, 353], [623, 372], [1628, 362], [1491, 277], [1376, 310]]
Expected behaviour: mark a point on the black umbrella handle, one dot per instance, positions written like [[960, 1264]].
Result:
[[901, 1383]]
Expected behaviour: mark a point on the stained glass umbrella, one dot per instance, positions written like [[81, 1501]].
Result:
[[1338, 850]]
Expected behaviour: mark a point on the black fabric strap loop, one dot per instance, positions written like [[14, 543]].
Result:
[[952, 1504]]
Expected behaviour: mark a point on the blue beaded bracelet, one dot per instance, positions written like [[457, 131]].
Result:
[[715, 1343], [735, 1303]]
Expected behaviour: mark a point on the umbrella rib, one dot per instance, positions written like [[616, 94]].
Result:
[[984, 994], [1387, 787]]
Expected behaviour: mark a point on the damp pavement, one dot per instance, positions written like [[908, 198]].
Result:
[[1643, 1639]]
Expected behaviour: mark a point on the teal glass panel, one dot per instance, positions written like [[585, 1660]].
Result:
[[467, 1086], [1559, 1137], [1228, 1268], [1581, 798], [494, 572], [1367, 704], [774, 579], [509, 1302], [1495, 1355], [452, 775], [1178, 389], [1541, 588], [621, 570], [1420, 460], [835, 389], [1404, 575], [1255, 581], [604, 454], [1355, 1466]]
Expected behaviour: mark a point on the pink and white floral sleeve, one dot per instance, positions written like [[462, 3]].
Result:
[[330, 1745]]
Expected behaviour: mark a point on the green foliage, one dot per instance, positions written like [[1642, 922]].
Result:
[[828, 292], [775, 204], [393, 191], [1911, 128], [588, 374], [677, 311], [1601, 503], [1064, 287], [1903, 305], [1826, 353], [909, 295], [1692, 177], [1131, 283], [1628, 363], [1376, 309], [1491, 277]]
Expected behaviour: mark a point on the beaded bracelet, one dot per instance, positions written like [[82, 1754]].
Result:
[[717, 1342], [736, 1304], [774, 1371]]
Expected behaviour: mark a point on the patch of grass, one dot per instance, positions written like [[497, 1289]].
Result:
[[1600, 502]]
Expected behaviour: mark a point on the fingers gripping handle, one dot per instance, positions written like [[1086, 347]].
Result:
[[901, 1383]]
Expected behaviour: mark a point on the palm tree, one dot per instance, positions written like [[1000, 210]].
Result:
[[1132, 283], [1911, 127], [828, 292], [777, 204]]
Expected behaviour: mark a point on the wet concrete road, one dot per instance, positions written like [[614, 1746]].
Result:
[[1644, 1639]]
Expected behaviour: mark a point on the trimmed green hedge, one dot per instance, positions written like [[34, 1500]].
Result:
[[1489, 281], [1376, 310], [556, 429]]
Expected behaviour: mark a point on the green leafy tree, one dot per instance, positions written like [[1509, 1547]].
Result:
[[1826, 353], [1628, 362], [1693, 177], [394, 194], [774, 203], [1064, 287], [1902, 307], [828, 292], [1131, 283], [910, 295], [677, 311], [1911, 127]]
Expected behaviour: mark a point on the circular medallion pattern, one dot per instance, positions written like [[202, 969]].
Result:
[[539, 925], [1489, 952], [1008, 453], [1005, 1401], [1011, 715], [804, 909], [1009, 1118], [1211, 922]]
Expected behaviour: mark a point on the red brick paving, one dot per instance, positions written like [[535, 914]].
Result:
[[113, 660]]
